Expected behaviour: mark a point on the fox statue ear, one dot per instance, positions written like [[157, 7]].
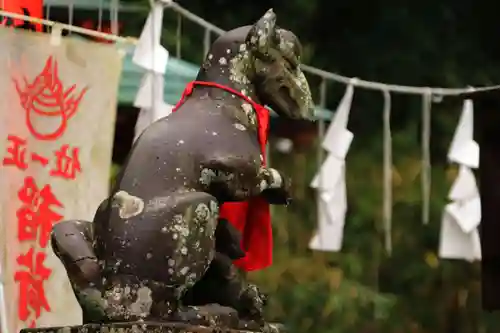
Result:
[[263, 35]]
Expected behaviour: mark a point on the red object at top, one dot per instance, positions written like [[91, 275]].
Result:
[[251, 217], [105, 27], [33, 8]]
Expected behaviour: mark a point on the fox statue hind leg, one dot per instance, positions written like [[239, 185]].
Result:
[[153, 250]]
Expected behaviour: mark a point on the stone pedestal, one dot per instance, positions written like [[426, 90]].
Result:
[[204, 319], [150, 327]]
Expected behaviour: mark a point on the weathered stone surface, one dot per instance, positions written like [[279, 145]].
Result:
[[157, 249], [209, 318], [150, 327]]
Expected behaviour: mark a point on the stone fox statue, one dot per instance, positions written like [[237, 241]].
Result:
[[157, 242]]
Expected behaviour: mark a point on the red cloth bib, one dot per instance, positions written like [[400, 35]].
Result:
[[252, 217]]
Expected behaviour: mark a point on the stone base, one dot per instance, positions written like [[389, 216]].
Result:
[[150, 327], [204, 319]]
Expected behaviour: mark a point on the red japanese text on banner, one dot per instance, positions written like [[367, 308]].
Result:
[[57, 115], [33, 8]]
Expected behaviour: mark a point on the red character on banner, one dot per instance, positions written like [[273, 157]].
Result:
[[36, 217], [30, 280], [17, 153], [33, 8], [66, 166], [40, 159], [46, 98]]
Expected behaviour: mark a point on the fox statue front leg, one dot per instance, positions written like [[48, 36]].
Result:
[[222, 284], [72, 242]]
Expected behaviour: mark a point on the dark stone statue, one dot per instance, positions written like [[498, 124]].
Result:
[[156, 252]]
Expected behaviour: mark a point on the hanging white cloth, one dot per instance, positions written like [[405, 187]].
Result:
[[387, 172], [153, 58], [457, 244], [148, 53], [425, 173], [464, 150], [459, 237], [150, 101], [332, 207], [330, 180], [338, 138]]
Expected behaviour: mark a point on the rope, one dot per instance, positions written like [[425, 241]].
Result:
[[195, 18], [372, 85], [83, 31], [426, 156], [394, 88], [387, 204], [437, 91]]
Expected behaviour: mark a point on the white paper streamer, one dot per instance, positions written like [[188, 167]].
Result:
[[148, 53], [330, 181], [456, 244], [151, 56], [387, 205], [464, 187], [331, 215], [338, 139], [329, 175], [459, 237], [426, 155], [464, 150]]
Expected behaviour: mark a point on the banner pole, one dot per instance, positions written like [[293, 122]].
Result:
[[3, 308]]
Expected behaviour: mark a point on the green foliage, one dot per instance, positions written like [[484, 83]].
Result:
[[364, 288]]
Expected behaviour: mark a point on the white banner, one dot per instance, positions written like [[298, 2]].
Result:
[[57, 112]]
